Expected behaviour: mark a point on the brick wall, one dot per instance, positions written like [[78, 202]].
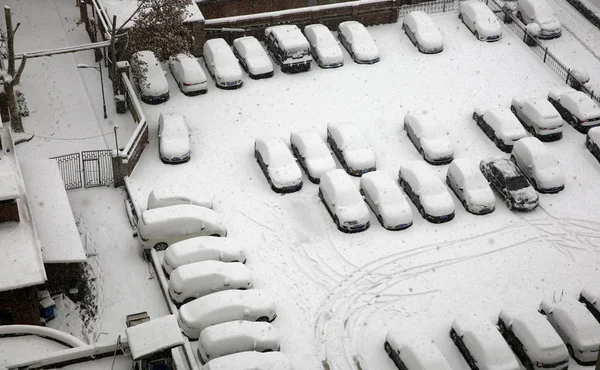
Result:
[[212, 9]]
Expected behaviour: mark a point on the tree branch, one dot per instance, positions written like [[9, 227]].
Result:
[[16, 28], [17, 77], [131, 16]]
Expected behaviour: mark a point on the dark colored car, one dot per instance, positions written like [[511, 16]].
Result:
[[507, 179]]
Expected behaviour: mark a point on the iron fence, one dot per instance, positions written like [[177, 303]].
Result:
[[430, 7], [88, 169], [70, 169]]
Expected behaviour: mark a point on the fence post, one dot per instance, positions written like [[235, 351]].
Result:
[[444, 7], [545, 54]]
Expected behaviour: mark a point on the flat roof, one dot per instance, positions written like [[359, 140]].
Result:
[[153, 336], [9, 188], [123, 9], [21, 264], [51, 212]]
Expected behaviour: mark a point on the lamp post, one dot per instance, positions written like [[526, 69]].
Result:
[[99, 69]]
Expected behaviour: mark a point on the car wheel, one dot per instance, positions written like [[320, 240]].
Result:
[[534, 184], [570, 349], [215, 235], [475, 117], [161, 246], [520, 17], [573, 120], [388, 349], [512, 109], [180, 86], [321, 196], [513, 159], [509, 204], [422, 152], [476, 35], [380, 219], [460, 16], [263, 319], [336, 220]]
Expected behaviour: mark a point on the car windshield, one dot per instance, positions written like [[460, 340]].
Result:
[[516, 183]]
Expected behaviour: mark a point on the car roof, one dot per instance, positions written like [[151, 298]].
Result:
[[215, 301], [248, 44], [353, 27], [542, 107], [348, 131], [338, 179], [592, 294], [273, 146], [418, 351], [422, 20], [466, 166], [575, 315]]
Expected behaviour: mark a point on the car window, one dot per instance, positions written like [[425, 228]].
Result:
[[516, 183]]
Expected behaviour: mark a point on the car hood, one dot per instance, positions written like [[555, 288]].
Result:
[[439, 147], [481, 197], [175, 147], [357, 212], [438, 205], [360, 158], [287, 175], [366, 50], [525, 195], [318, 166]]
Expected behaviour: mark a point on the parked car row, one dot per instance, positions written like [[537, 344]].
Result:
[[539, 340]]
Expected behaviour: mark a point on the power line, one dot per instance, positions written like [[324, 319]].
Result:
[[66, 138]]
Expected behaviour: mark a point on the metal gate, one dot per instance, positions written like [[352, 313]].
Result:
[[70, 170], [97, 168]]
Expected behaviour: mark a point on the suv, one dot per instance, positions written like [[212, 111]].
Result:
[[289, 48], [539, 117], [538, 165], [539, 12], [507, 179]]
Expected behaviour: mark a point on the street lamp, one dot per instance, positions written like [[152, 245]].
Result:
[[99, 69]]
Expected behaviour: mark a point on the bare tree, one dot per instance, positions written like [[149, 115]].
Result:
[[9, 79]]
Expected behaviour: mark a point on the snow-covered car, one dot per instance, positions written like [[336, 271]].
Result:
[[358, 42], [250, 360], [413, 350], [253, 58], [590, 297], [325, 48], [288, 47], [577, 327], [236, 336], [480, 20], [198, 279], [222, 65], [427, 192], [471, 188], [173, 138], [533, 339], [539, 117], [429, 138], [481, 344], [575, 107], [278, 164], [539, 12], [349, 146], [227, 305], [592, 142], [175, 193], [343, 201], [149, 77], [188, 74], [202, 248], [500, 125], [539, 165], [312, 154], [423, 33], [386, 200], [507, 179]]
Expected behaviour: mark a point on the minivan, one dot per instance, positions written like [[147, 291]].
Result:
[[539, 12], [198, 279], [288, 47], [149, 76], [160, 227], [538, 165], [177, 194], [222, 64]]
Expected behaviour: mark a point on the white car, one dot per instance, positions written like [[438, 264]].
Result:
[[350, 148], [539, 165], [533, 339], [324, 47], [386, 200], [471, 188], [481, 344], [500, 125], [429, 138], [312, 153], [343, 202], [202, 248], [177, 193], [576, 326], [253, 58], [236, 336], [188, 74], [250, 360], [540, 13], [198, 279], [575, 107], [423, 33], [224, 306], [413, 350], [173, 138], [358, 41], [539, 117], [480, 20], [590, 297], [149, 76], [592, 142], [222, 64], [427, 192], [278, 164]]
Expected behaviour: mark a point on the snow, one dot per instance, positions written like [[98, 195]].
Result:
[[144, 339], [52, 216], [178, 193], [594, 134], [9, 189], [200, 249], [123, 9], [250, 361], [23, 348], [237, 336], [575, 320]]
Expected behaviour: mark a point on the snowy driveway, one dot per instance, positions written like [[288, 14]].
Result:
[[338, 294]]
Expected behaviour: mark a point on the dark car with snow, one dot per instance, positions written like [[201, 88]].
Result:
[[288, 47], [149, 77], [507, 179], [575, 107], [590, 297]]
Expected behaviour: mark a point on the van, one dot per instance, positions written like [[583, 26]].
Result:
[[222, 64], [160, 227], [198, 279], [149, 76], [538, 165], [289, 48], [202, 248], [539, 12], [175, 195]]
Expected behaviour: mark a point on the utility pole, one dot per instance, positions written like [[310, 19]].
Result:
[[13, 78]]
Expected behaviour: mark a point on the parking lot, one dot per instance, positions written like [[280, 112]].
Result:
[[338, 294]]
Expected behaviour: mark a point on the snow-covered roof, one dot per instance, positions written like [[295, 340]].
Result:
[[123, 9], [9, 188], [153, 336], [592, 294], [51, 212], [575, 318]]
